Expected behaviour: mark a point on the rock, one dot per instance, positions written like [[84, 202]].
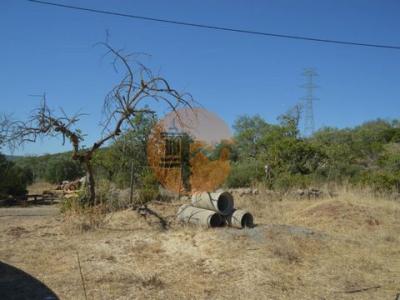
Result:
[[307, 193], [247, 191], [243, 191], [185, 198]]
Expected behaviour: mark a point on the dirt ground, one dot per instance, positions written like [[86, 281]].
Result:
[[346, 247]]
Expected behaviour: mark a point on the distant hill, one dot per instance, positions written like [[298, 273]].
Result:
[[13, 157]]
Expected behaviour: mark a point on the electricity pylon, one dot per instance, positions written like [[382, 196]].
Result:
[[309, 86]]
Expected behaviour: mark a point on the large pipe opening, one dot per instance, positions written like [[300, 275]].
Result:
[[216, 220], [225, 203], [240, 219], [221, 202], [247, 220]]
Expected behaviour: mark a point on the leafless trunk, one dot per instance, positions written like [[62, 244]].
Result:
[[91, 186]]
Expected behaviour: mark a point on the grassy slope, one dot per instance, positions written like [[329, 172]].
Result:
[[330, 246]]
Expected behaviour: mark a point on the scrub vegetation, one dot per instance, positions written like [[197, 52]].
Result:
[[273, 155]]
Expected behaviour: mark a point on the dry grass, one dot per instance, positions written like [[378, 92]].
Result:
[[301, 249], [40, 187]]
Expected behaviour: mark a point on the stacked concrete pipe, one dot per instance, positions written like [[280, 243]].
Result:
[[214, 210], [221, 202], [240, 218], [199, 216]]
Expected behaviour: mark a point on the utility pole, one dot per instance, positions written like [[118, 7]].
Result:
[[309, 99]]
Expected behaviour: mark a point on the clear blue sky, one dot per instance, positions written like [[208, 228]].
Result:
[[49, 49]]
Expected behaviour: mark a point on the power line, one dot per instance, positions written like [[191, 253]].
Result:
[[236, 30]]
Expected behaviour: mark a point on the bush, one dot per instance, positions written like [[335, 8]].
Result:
[[13, 179], [104, 191], [61, 168], [149, 187], [71, 204], [381, 181], [244, 174]]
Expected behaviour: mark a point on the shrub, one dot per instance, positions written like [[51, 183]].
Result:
[[381, 181], [61, 168], [71, 204], [149, 187], [13, 179], [244, 174]]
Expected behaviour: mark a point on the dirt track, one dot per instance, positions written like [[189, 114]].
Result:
[[31, 211]]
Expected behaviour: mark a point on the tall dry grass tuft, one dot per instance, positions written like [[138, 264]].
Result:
[[83, 219]]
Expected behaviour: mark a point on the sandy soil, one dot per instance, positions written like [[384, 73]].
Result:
[[347, 247]]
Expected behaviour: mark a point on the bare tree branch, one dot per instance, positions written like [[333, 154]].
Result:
[[124, 101], [4, 127], [138, 85], [43, 122]]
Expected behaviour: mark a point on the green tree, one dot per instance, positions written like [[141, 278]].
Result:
[[245, 173], [248, 133], [13, 179], [62, 168], [290, 121], [38, 164], [277, 148], [127, 155]]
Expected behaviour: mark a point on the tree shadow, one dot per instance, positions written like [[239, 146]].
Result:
[[17, 285]]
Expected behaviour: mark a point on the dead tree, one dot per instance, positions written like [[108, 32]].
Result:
[[131, 96], [3, 128]]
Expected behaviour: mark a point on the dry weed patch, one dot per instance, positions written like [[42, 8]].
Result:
[[300, 249]]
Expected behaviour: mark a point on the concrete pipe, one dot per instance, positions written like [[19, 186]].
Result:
[[221, 202], [199, 216], [240, 219]]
